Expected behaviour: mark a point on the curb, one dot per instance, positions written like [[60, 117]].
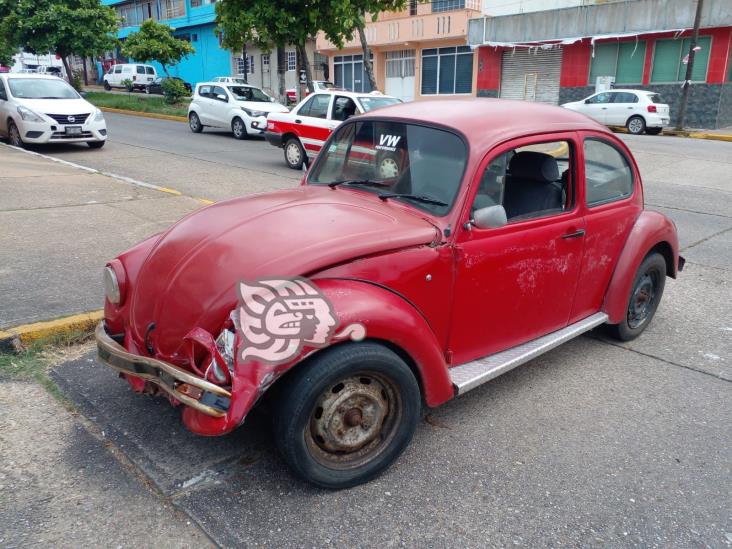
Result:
[[145, 114], [26, 334], [683, 133]]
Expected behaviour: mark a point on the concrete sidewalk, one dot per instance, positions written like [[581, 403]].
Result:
[[59, 225]]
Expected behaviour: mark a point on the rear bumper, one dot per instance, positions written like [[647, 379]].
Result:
[[273, 138], [213, 401]]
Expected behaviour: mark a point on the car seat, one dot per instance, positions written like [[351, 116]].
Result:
[[532, 185]]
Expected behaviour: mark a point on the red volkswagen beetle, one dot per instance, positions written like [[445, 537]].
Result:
[[501, 230]]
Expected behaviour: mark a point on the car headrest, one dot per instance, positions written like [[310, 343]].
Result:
[[533, 165]]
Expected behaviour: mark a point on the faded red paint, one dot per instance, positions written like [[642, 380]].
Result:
[[437, 292], [575, 64], [489, 68]]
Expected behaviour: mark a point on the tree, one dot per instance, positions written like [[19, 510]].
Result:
[[155, 42], [64, 27]]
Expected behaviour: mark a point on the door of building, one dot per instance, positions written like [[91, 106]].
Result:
[[400, 74], [531, 74]]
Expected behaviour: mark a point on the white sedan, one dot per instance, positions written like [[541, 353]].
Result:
[[638, 110], [240, 108], [42, 108]]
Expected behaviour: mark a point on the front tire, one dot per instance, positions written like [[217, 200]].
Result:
[[195, 123], [294, 153], [645, 296], [107, 87], [238, 128], [346, 415], [14, 135], [636, 125]]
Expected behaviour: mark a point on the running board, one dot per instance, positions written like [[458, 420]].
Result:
[[471, 374]]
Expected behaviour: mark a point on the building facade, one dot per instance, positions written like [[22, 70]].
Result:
[[558, 55], [418, 53]]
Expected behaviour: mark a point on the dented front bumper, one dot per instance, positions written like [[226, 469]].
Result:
[[210, 399]]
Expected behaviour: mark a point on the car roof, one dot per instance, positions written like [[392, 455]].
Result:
[[629, 90], [338, 91], [220, 82], [486, 122]]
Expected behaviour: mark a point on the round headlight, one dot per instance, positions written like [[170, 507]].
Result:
[[111, 286]]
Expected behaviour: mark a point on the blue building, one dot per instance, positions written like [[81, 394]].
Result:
[[193, 20]]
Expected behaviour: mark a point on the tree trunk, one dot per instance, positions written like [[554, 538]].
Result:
[[281, 68], [165, 70], [86, 74], [67, 68], [245, 57], [306, 67], [689, 67], [367, 66]]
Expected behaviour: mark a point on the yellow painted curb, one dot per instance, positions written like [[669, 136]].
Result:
[[50, 329], [145, 114], [683, 133]]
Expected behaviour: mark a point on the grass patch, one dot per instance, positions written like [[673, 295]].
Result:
[[136, 102]]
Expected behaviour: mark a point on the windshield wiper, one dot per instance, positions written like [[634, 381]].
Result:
[[375, 182], [417, 197]]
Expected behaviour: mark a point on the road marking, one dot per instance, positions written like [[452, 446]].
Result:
[[126, 179]]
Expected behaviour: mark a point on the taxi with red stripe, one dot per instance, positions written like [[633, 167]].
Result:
[[303, 131]]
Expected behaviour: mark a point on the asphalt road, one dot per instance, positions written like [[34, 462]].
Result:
[[592, 444]]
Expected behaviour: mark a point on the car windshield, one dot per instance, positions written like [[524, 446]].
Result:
[[376, 102], [41, 88], [655, 98], [418, 165], [246, 93]]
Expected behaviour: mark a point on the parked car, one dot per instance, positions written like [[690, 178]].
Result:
[[242, 109], [318, 85], [41, 108], [140, 76], [156, 86], [492, 244], [302, 131], [230, 80], [638, 110]]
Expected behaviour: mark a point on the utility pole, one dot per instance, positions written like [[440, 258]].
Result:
[[689, 67]]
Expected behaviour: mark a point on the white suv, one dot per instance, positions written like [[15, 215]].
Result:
[[638, 110], [240, 108], [38, 108]]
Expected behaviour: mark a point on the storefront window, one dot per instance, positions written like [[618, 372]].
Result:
[[447, 70]]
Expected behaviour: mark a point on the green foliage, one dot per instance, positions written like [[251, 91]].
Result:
[[174, 91], [77, 79], [65, 27], [137, 103], [155, 42], [127, 83]]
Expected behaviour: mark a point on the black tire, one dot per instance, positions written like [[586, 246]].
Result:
[[239, 128], [346, 415], [654, 131], [194, 123], [95, 144], [14, 137], [147, 90], [645, 295], [294, 153], [107, 86], [636, 125]]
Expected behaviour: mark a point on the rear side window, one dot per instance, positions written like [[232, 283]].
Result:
[[150, 70], [625, 97], [655, 98], [127, 69], [140, 69], [316, 107], [204, 91], [117, 69], [608, 174]]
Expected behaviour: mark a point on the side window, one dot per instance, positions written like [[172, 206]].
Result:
[[343, 108], [118, 69], [319, 106], [126, 68], [604, 97], [149, 70], [305, 109], [204, 91], [529, 182], [218, 91], [625, 97], [140, 69], [608, 174], [3, 93]]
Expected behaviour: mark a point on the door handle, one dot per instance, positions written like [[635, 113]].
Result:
[[298, 121], [575, 234], [604, 108]]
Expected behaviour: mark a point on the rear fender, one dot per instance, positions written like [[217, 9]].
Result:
[[651, 231], [385, 316]]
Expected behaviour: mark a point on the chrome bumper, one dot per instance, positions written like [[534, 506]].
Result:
[[214, 400]]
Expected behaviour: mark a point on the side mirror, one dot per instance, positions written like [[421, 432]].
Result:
[[490, 217]]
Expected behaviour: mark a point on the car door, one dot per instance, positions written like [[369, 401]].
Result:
[[312, 122], [622, 107], [596, 106], [203, 104], [220, 107], [517, 282], [4, 107], [116, 76]]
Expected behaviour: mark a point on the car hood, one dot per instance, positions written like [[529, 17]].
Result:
[[263, 106], [58, 106], [189, 277]]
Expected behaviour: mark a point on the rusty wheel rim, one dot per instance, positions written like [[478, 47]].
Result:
[[354, 420]]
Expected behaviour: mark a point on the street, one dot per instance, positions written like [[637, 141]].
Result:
[[593, 444]]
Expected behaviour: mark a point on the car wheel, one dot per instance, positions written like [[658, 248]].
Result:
[[294, 153], [388, 167], [147, 90], [239, 128], [636, 125], [346, 415], [95, 144], [195, 123], [14, 135], [654, 131], [645, 296], [107, 86]]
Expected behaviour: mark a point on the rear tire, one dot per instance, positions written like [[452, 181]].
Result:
[[346, 415], [654, 131], [107, 86], [645, 295], [239, 128], [14, 137], [95, 144], [294, 153], [636, 125], [195, 123]]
